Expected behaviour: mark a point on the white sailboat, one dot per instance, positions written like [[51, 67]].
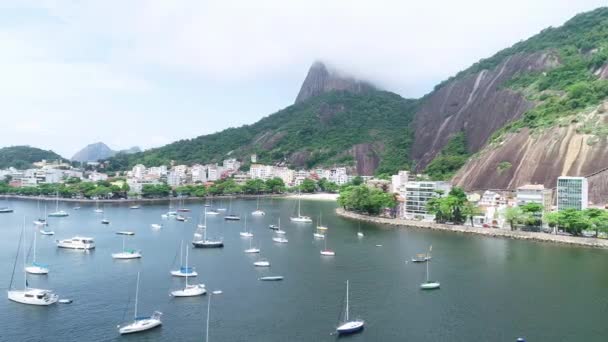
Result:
[[429, 284], [231, 216], [126, 253], [57, 212], [190, 290], [183, 271], [318, 233], [348, 326], [251, 249], [42, 220], [258, 211], [327, 252], [300, 218], [359, 232], [278, 230], [156, 226], [262, 263], [97, 209], [34, 267], [320, 226], [44, 224], [140, 323], [28, 295], [200, 238], [246, 233]]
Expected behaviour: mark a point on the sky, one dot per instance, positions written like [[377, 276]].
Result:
[[147, 73]]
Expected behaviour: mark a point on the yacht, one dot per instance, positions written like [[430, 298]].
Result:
[[180, 218], [429, 284], [46, 232], [125, 232], [97, 209], [348, 326], [279, 239], [320, 226], [77, 242], [140, 323], [5, 210], [232, 217]]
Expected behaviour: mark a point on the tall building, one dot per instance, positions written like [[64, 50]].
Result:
[[138, 171], [399, 180], [534, 193], [231, 164], [417, 194], [199, 173], [572, 193], [259, 171]]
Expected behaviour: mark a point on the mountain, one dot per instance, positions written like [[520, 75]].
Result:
[[22, 157], [98, 151], [365, 130], [529, 114], [321, 80]]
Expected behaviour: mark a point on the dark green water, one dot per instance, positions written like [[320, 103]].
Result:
[[491, 289]]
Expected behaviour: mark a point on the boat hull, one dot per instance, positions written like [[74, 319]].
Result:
[[33, 269], [140, 325], [19, 296], [271, 278], [190, 291], [232, 218], [126, 255], [182, 274], [430, 286], [301, 219], [350, 327], [208, 244]]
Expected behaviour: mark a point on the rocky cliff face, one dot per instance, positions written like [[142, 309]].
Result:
[[321, 80], [477, 104], [529, 157]]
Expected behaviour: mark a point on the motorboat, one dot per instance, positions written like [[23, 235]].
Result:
[[271, 278], [273, 227], [77, 242], [140, 323], [105, 221], [183, 210], [180, 218], [40, 222], [348, 326], [421, 257], [5, 210], [360, 234], [125, 232], [318, 235], [262, 263]]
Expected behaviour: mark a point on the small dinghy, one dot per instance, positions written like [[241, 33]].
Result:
[[64, 301], [46, 232], [271, 278], [216, 292]]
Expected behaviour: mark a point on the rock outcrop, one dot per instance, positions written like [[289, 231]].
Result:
[[540, 157], [99, 150], [477, 104], [321, 80]]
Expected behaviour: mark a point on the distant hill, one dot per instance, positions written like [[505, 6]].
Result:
[[365, 129], [99, 150], [22, 157]]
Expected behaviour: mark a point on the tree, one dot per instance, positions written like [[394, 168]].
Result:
[[357, 180], [327, 186], [514, 215], [364, 199], [533, 214], [275, 185], [254, 186], [308, 185]]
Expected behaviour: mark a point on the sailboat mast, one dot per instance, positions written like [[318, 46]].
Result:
[[347, 300], [205, 228], [34, 258], [24, 256], [136, 295], [427, 270], [299, 214], [123, 243], [208, 312], [187, 266], [181, 253]]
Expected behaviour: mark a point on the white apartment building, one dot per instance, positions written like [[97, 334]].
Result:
[[199, 173], [572, 193], [231, 164], [97, 176], [259, 171], [492, 199], [158, 171], [534, 193], [138, 171], [286, 174], [136, 185], [417, 194], [399, 180], [181, 170], [214, 172], [174, 179], [300, 176]]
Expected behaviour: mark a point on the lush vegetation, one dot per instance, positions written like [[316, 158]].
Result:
[[454, 207], [319, 131], [362, 198], [451, 158], [22, 157], [72, 188], [576, 221]]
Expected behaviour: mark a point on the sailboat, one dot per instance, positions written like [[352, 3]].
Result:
[[429, 284], [58, 213], [135, 206], [34, 267], [320, 226], [246, 233], [278, 230], [200, 238], [231, 216], [251, 249], [140, 323], [6, 209], [300, 218], [262, 263], [126, 253], [156, 226], [327, 252], [359, 232], [28, 295], [258, 211], [318, 234], [183, 271], [189, 290], [97, 209], [280, 239], [423, 257], [42, 220], [181, 208], [348, 326]]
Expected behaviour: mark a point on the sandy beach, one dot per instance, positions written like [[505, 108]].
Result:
[[316, 197]]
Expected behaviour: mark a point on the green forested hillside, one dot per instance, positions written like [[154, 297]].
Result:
[[22, 157], [315, 132]]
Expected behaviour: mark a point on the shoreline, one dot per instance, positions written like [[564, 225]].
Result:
[[314, 196], [488, 232]]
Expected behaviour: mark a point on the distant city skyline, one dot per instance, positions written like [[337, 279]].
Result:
[[150, 73]]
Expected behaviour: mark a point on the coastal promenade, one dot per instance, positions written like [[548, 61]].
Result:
[[140, 200], [490, 232]]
